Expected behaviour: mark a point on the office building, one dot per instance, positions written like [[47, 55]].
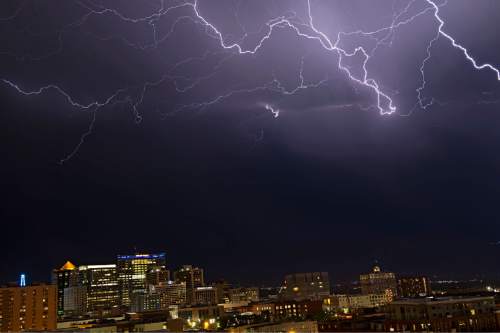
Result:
[[378, 282], [223, 291], [297, 309], [205, 296], [468, 314], [413, 286], [197, 314], [132, 273], [101, 283], [314, 285], [145, 301], [346, 303], [64, 277], [285, 309], [240, 295], [29, 308], [157, 275], [193, 277], [160, 297], [75, 301], [172, 294]]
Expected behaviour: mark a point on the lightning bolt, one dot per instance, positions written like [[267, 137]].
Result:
[[276, 113], [441, 33], [458, 46], [305, 29]]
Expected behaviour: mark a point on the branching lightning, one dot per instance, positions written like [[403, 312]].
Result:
[[306, 28]]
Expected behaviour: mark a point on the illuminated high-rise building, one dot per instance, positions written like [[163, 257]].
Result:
[[157, 275], [132, 273], [101, 283], [193, 277], [378, 282], [64, 277], [28, 308]]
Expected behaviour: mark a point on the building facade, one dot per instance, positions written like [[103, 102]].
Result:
[[287, 309], [157, 275], [297, 310], [239, 295], [201, 313], [160, 297], [101, 285], [30, 308], [172, 294], [314, 285], [298, 327], [205, 296], [378, 282], [145, 301], [467, 314], [64, 277], [413, 286], [132, 273], [193, 277], [75, 301], [353, 302]]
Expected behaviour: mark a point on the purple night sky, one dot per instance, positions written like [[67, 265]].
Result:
[[273, 135]]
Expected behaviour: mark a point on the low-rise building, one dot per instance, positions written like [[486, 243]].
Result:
[[442, 314], [352, 302], [413, 286], [205, 296], [238, 295], [298, 327], [315, 285], [159, 297], [201, 313]]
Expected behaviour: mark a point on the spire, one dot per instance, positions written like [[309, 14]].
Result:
[[68, 266]]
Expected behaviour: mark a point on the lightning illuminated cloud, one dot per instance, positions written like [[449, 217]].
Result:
[[305, 28]]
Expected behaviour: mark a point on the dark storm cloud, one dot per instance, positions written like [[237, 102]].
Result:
[[329, 184]]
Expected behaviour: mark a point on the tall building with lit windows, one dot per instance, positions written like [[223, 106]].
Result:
[[193, 277], [28, 308], [157, 275], [101, 285], [63, 278], [133, 272], [315, 285], [378, 282]]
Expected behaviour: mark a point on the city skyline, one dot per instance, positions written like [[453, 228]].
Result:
[[252, 136], [139, 292], [264, 281]]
